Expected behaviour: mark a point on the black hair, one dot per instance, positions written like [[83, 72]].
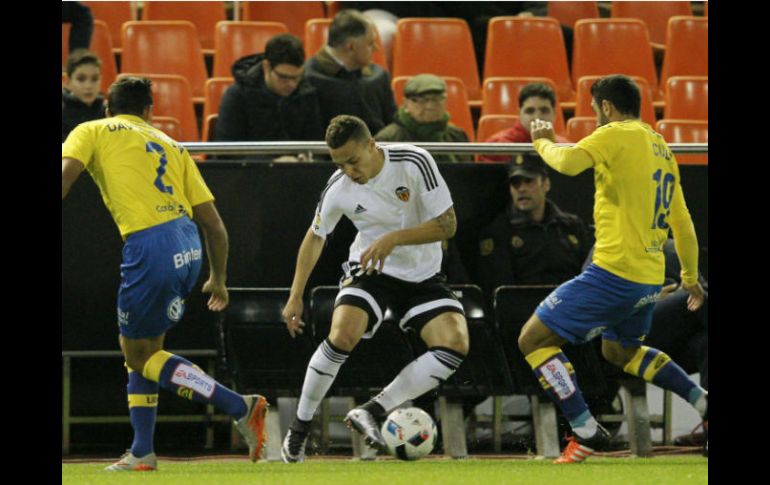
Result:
[[346, 24], [79, 57], [619, 90], [344, 128], [540, 90], [130, 95], [285, 49]]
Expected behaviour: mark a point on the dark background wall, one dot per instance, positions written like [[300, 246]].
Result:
[[267, 210]]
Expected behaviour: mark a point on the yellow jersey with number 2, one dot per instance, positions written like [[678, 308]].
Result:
[[145, 177]]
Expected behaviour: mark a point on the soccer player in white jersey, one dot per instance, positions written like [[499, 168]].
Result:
[[154, 192], [401, 206]]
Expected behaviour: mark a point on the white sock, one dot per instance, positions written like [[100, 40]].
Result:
[[587, 429], [321, 372], [419, 377], [701, 404]]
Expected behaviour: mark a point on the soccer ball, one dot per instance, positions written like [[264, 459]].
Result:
[[410, 433]]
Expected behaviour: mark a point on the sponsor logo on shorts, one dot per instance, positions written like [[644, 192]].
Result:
[[646, 300], [558, 377], [122, 317], [175, 309], [191, 378], [551, 301], [187, 257], [317, 222]]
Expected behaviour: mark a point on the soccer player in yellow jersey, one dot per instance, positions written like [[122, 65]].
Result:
[[638, 200], [154, 191]]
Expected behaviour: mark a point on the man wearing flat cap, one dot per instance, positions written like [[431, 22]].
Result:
[[532, 241], [423, 117]]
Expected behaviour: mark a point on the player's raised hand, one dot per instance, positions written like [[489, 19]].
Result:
[[292, 316], [695, 300], [373, 258], [542, 129], [220, 298]]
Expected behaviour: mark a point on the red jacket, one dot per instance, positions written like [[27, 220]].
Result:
[[514, 134]]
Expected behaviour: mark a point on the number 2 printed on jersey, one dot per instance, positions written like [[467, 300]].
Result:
[[155, 148]]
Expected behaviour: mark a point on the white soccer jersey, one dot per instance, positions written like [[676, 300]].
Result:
[[408, 191]]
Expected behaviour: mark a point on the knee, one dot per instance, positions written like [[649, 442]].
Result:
[[343, 340], [458, 341], [136, 362], [617, 355]]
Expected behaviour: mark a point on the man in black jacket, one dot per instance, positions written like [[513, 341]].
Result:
[[533, 241], [270, 100], [347, 80]]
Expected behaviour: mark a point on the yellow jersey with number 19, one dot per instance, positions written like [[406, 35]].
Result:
[[638, 195], [145, 177]]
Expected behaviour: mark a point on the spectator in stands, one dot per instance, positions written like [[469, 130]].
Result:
[[124, 154], [423, 117], [532, 241], [270, 100], [536, 101], [347, 80], [82, 21], [80, 97]]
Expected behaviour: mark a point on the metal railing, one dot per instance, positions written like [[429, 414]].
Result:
[[68, 420], [319, 147]]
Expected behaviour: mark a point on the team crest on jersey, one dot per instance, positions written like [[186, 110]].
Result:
[[403, 193], [573, 239], [517, 242]]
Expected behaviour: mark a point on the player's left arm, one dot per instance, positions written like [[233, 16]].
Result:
[[566, 160], [437, 229], [70, 171], [686, 244]]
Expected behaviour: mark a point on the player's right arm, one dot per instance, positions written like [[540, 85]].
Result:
[[309, 252], [70, 171], [217, 248]]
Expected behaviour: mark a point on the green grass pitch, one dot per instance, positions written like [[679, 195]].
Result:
[[660, 470]]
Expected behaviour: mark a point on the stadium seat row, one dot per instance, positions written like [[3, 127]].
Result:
[[516, 46]]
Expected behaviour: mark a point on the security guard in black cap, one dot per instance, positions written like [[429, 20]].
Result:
[[533, 241]]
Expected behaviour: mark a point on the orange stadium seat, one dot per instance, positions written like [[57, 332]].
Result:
[[456, 102], [567, 13], [583, 106], [441, 46], [215, 89], [172, 97], [501, 96], [168, 125], [685, 131], [527, 46], [687, 97], [579, 127], [234, 40], [654, 14], [209, 128], [114, 14], [687, 52], [317, 33], [165, 47], [293, 14], [491, 124], [613, 46], [705, 9], [101, 45], [204, 15], [65, 43]]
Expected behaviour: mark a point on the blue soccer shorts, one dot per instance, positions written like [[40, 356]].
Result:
[[599, 302], [160, 267]]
